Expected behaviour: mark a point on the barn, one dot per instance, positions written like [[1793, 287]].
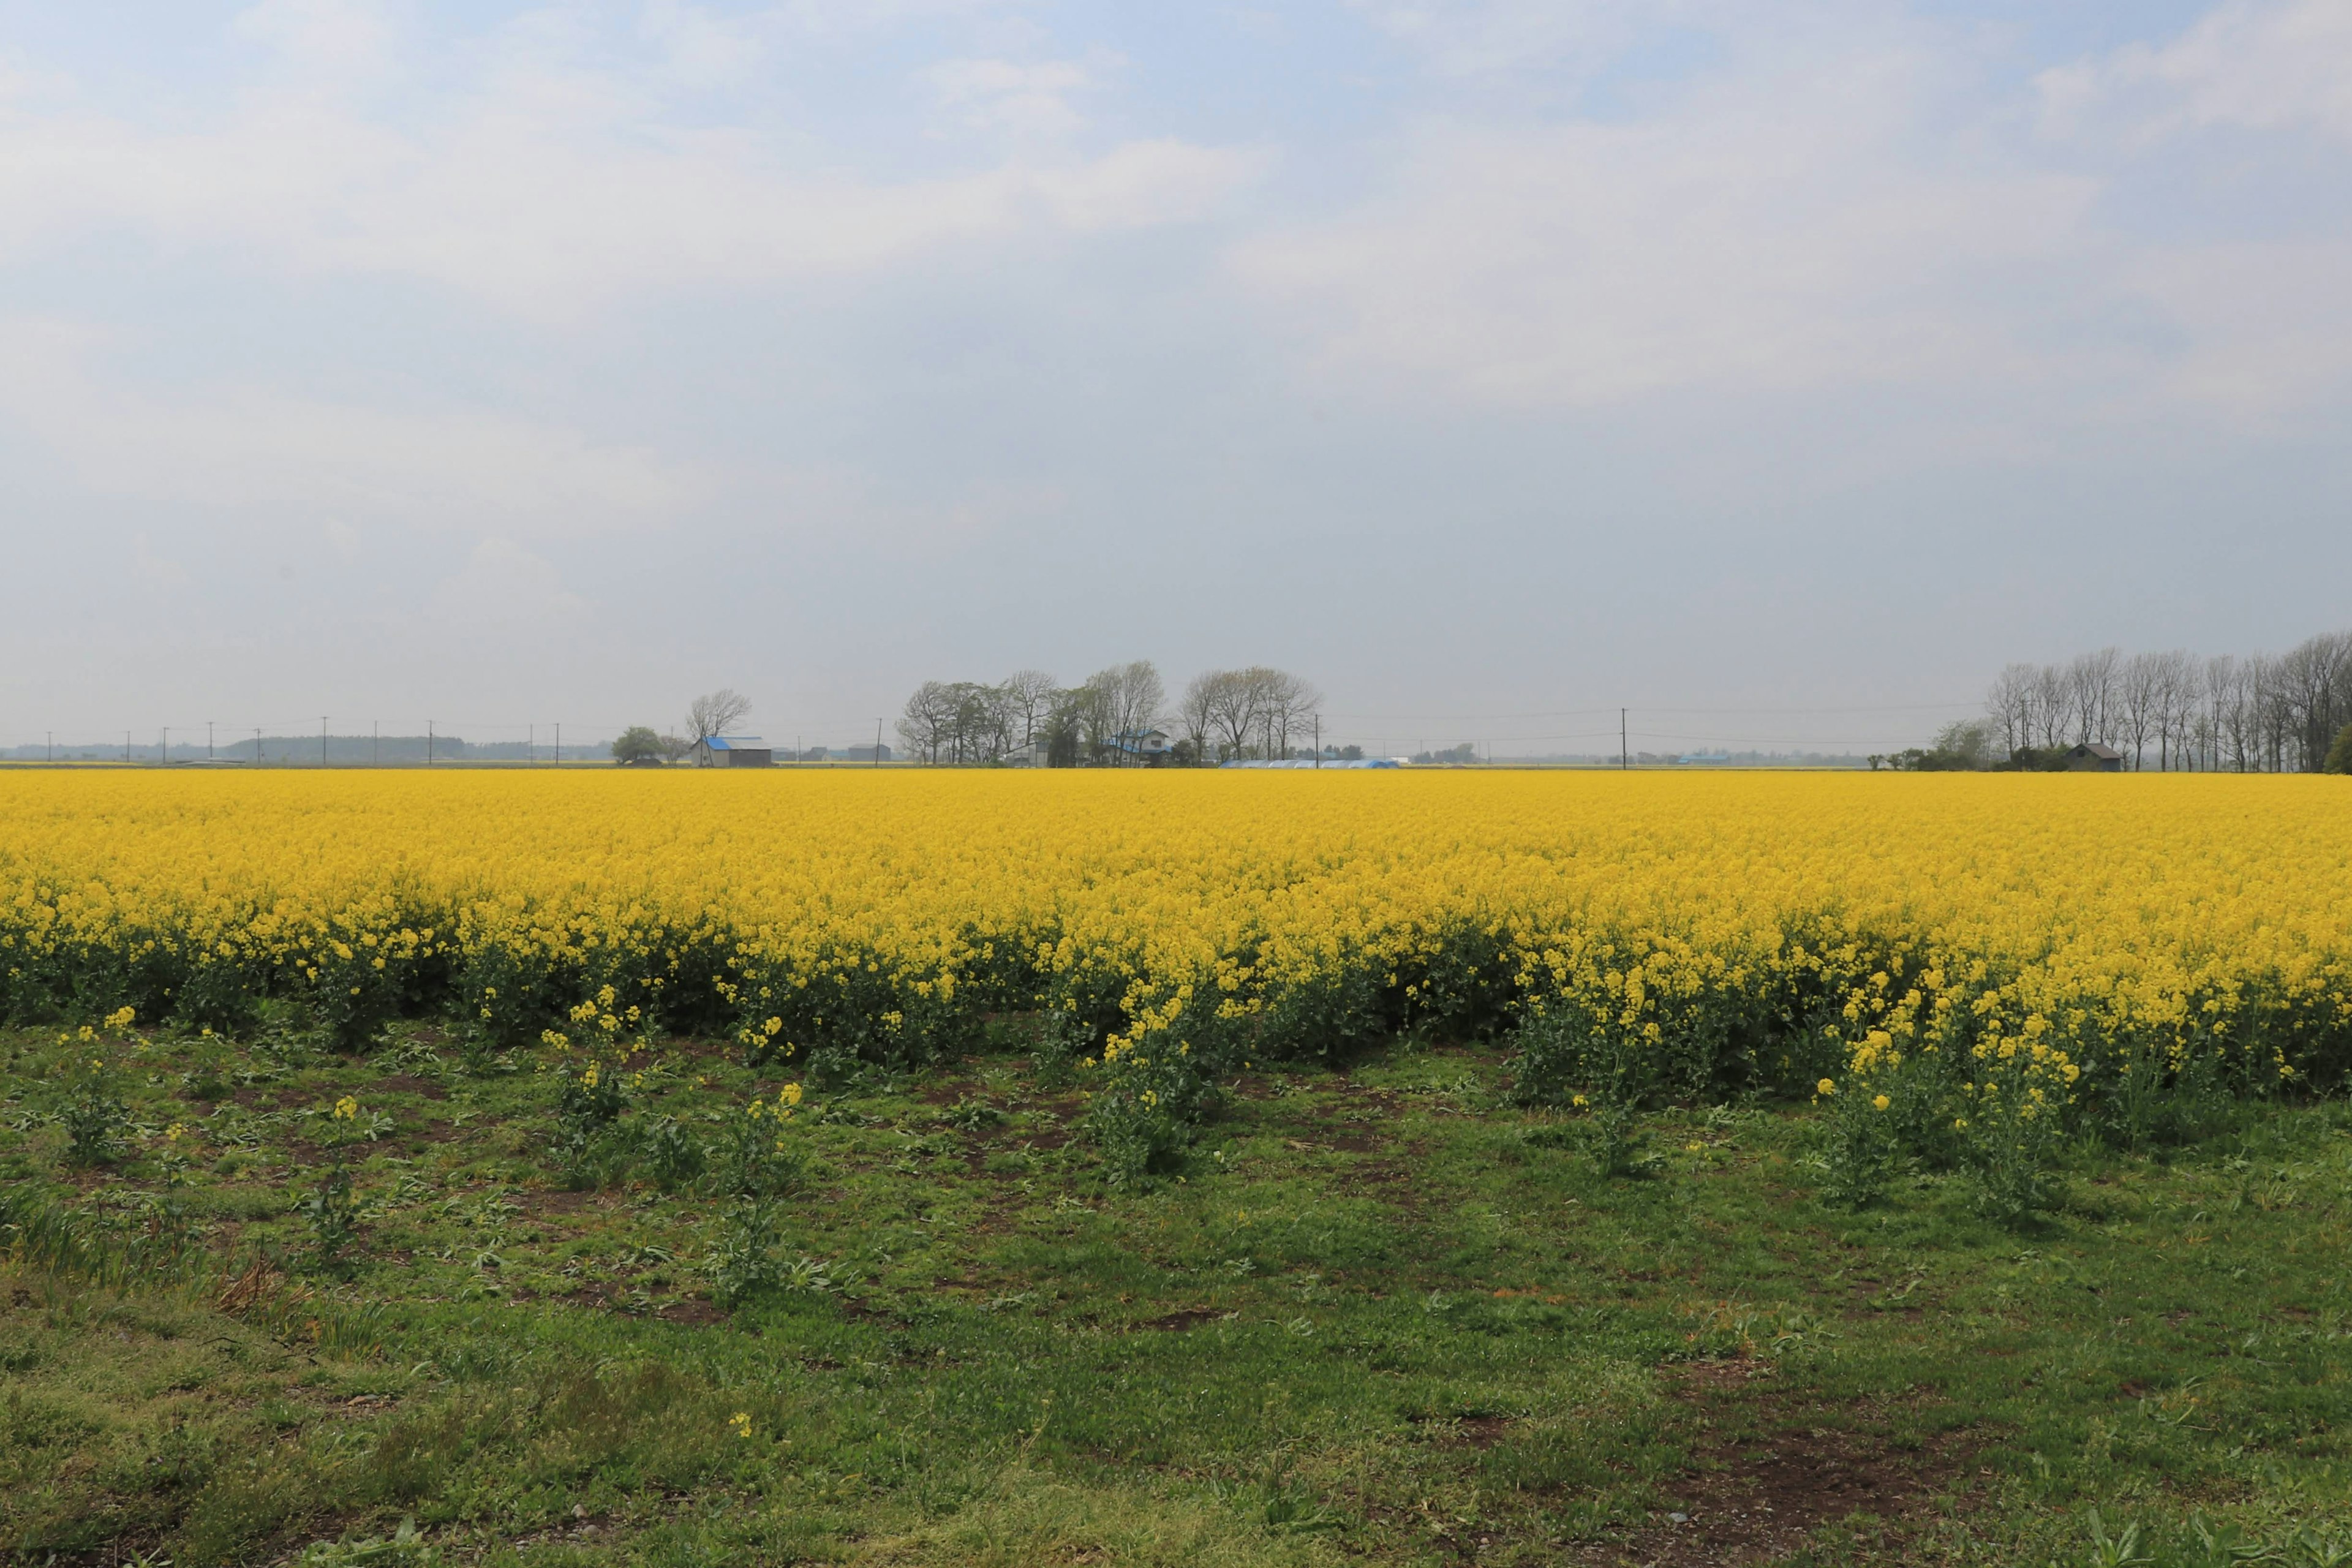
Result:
[[734, 752]]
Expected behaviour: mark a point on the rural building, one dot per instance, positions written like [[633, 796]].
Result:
[[2093, 757], [866, 754], [734, 752], [1152, 744]]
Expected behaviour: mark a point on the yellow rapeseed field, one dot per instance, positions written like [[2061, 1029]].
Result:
[[1743, 927]]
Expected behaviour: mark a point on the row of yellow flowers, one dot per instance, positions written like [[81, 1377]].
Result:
[[1758, 927]]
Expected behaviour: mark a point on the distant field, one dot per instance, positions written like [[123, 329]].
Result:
[[1173, 1168]]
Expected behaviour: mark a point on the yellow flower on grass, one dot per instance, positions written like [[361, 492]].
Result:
[[1881, 1103], [346, 1109], [741, 1422], [1827, 1086]]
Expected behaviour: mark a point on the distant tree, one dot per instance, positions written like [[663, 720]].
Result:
[[674, 748], [1127, 701], [638, 744], [715, 713], [1028, 697], [1964, 745], [2339, 755], [927, 720]]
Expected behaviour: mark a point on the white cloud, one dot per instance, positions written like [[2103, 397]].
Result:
[[1470, 38], [323, 38], [252, 447], [1777, 231], [1813, 214], [1032, 100], [2265, 65], [551, 189], [503, 584]]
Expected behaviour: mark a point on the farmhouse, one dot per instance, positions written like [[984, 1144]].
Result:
[[2095, 757], [734, 752]]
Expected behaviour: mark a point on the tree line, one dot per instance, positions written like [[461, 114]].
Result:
[[1117, 717], [2289, 713]]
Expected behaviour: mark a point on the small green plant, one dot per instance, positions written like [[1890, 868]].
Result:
[[1861, 1151], [673, 1158], [1149, 1096], [94, 1111], [744, 1262], [2119, 1550], [592, 1097], [972, 1115], [755, 1158], [2011, 1128], [329, 1210]]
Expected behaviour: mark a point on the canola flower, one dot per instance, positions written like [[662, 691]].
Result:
[[2051, 936]]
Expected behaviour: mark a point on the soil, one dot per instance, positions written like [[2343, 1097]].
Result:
[[408, 1083], [698, 1314], [1188, 1318], [1798, 1463]]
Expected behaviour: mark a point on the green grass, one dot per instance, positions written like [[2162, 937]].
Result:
[[1377, 1315]]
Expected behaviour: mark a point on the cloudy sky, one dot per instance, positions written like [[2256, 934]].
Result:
[[1779, 370]]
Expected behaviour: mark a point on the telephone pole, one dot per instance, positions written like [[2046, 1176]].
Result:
[[323, 740], [208, 740], [559, 745], [429, 743], [877, 743], [1623, 755]]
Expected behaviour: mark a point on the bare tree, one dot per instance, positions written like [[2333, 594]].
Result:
[[2139, 696], [715, 713], [2091, 692], [2314, 689], [1029, 696], [2180, 693], [927, 721], [1196, 711], [1230, 702], [1127, 700], [1288, 705], [2010, 704]]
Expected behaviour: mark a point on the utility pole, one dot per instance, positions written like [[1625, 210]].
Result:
[[52, 737], [208, 740], [877, 743], [257, 746], [163, 752], [126, 748], [429, 743], [323, 740], [531, 745], [1623, 753], [1318, 743], [559, 745]]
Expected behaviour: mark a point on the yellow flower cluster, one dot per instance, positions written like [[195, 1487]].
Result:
[[1805, 923]]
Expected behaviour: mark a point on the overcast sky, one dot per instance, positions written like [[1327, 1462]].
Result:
[[1484, 360]]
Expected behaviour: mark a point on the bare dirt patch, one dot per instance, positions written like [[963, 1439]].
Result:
[[409, 1083], [1186, 1318], [694, 1314], [1773, 1466]]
